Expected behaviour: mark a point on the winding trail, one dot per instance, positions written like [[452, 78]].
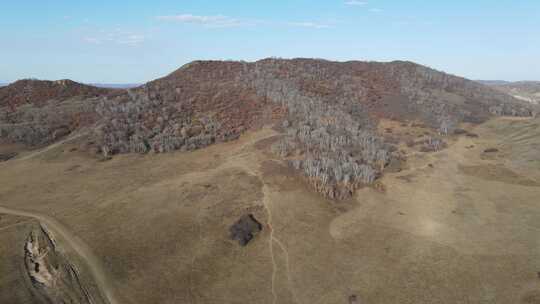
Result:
[[251, 167], [92, 262], [270, 241], [288, 268], [53, 146]]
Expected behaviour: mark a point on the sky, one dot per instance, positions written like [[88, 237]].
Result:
[[136, 41]]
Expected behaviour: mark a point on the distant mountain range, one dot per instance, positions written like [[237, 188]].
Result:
[[504, 82], [116, 85], [101, 85], [524, 90], [493, 82]]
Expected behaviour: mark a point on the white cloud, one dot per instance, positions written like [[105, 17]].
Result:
[[362, 3], [221, 21], [115, 36], [355, 3], [131, 40], [92, 40], [207, 21], [308, 24]]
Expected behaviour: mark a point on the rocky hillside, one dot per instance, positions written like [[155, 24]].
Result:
[[328, 112]]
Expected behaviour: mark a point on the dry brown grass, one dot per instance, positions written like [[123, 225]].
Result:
[[159, 223]]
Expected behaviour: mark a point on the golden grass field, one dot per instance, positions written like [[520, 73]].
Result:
[[154, 228]]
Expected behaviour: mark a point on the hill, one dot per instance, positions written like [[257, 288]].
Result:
[[37, 92], [38, 112], [328, 112], [306, 180]]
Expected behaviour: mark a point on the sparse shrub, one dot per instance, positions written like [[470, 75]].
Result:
[[446, 125], [460, 131], [432, 144]]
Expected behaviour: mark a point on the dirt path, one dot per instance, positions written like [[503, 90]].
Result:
[[85, 253], [53, 146], [251, 167], [271, 240], [270, 243]]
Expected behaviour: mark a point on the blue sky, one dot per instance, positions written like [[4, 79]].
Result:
[[135, 41]]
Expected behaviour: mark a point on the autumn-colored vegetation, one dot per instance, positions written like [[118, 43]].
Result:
[[328, 112]]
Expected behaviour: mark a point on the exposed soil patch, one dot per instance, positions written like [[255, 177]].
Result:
[[498, 174], [51, 273], [266, 144], [281, 175]]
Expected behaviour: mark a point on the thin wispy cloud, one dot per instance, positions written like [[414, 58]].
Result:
[[363, 4], [217, 21], [131, 40], [221, 21], [116, 36], [308, 25], [93, 40], [355, 3]]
